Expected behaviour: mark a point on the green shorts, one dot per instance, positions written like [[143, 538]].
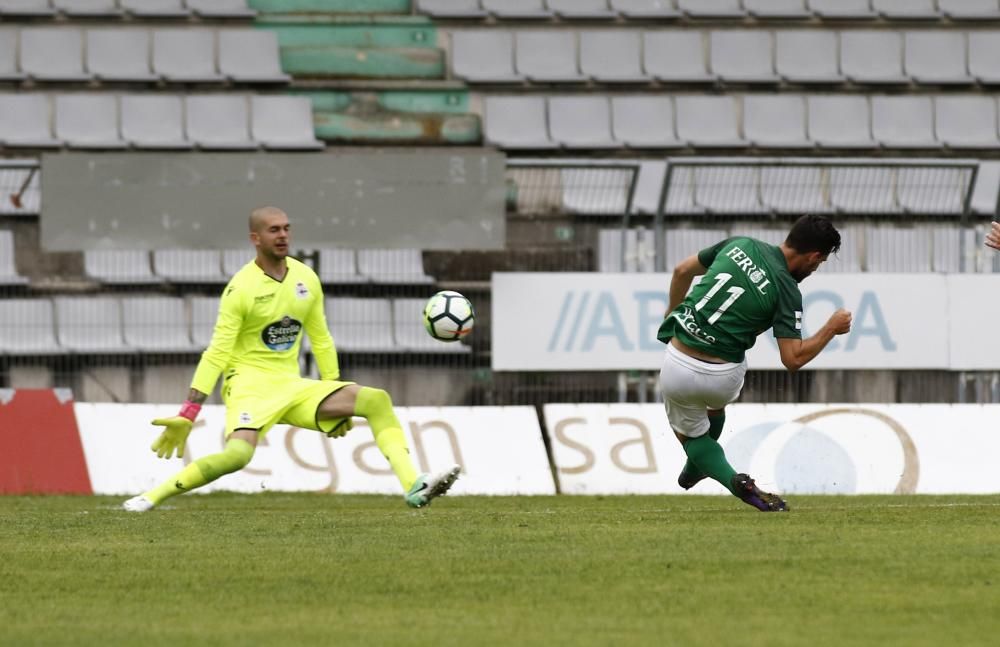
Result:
[[260, 401]]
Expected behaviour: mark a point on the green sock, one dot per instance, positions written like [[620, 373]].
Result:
[[715, 424], [375, 405], [235, 456], [706, 454]]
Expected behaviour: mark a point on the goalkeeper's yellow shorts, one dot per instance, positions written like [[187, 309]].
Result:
[[260, 401]]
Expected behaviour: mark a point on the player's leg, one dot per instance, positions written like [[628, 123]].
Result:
[[690, 475], [375, 406], [240, 446]]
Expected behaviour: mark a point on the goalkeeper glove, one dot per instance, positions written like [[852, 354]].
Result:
[[177, 429]]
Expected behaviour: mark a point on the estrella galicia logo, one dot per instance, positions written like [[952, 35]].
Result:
[[281, 335]]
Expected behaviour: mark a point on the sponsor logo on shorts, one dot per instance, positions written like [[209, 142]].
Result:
[[245, 418], [281, 335]]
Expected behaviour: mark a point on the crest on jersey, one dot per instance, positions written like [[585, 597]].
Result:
[[301, 291]]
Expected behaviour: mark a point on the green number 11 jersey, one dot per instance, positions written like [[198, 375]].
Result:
[[746, 290]]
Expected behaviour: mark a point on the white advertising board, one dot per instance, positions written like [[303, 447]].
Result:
[[793, 449], [591, 321], [500, 449]]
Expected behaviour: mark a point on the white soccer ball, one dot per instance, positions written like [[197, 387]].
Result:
[[448, 316]]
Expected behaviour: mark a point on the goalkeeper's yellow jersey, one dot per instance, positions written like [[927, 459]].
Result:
[[260, 326]]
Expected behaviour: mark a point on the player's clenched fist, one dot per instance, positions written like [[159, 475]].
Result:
[[173, 437], [840, 322], [993, 236]]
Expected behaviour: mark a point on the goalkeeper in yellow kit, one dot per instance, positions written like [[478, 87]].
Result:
[[262, 313]]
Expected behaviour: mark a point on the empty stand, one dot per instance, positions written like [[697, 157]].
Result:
[[400, 266], [53, 54], [155, 8], [770, 234], [517, 8], [581, 122], [361, 325], [221, 8], [840, 122], [484, 55], [742, 56], [517, 122], [842, 9], [609, 250], [891, 248], [156, 324], [27, 327], [775, 121], [711, 8], [728, 189], [946, 248], [984, 52], [26, 8], [612, 56], [153, 121], [708, 121], [966, 122], [8, 270], [218, 122], [874, 57], [903, 122], [8, 56], [646, 8], [451, 8], [589, 9], [409, 332], [932, 190], [547, 56], [590, 190], [119, 55], [680, 243], [777, 9], [129, 266], [807, 56], [250, 56], [26, 121], [90, 324], [189, 265], [675, 55], [338, 266], [970, 9], [793, 189], [906, 9], [233, 260], [644, 121], [204, 311], [87, 8], [848, 259], [88, 121], [283, 123], [862, 190], [185, 55], [936, 57]]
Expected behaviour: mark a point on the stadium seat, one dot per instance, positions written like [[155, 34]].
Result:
[[932, 190], [219, 122], [646, 8], [680, 196], [250, 56], [8, 56], [517, 8], [936, 57], [872, 56], [26, 8], [646, 196], [154, 121], [189, 265], [807, 56], [204, 312], [88, 121], [451, 8], [728, 189], [27, 327], [644, 121], [233, 260], [221, 8], [53, 54], [970, 9], [361, 325], [516, 122], [612, 56], [572, 9], [676, 56], [711, 8], [119, 55], [185, 55], [338, 266], [842, 9], [708, 121], [903, 122], [793, 189], [594, 191], [87, 8], [775, 121], [8, 270], [966, 122], [863, 190], [25, 121], [91, 324], [283, 123], [128, 266], [483, 55], [547, 56], [156, 324], [581, 122], [984, 52], [682, 242], [742, 56], [393, 266], [410, 334], [770, 9], [155, 8], [892, 248], [840, 121], [906, 9], [986, 191]]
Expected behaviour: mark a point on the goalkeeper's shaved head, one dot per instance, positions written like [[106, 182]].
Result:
[[260, 216]]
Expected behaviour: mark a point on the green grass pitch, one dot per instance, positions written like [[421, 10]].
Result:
[[298, 569]]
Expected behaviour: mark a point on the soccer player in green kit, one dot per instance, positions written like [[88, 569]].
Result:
[[748, 286], [263, 310]]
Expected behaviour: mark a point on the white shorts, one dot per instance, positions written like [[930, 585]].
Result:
[[691, 387]]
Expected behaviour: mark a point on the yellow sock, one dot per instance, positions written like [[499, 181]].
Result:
[[375, 405], [235, 456]]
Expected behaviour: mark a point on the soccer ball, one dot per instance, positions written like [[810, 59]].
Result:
[[448, 316]]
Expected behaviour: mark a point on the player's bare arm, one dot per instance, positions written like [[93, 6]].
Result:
[[684, 274], [796, 353], [196, 396], [993, 236]]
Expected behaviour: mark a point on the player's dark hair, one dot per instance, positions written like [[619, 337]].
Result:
[[814, 233]]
